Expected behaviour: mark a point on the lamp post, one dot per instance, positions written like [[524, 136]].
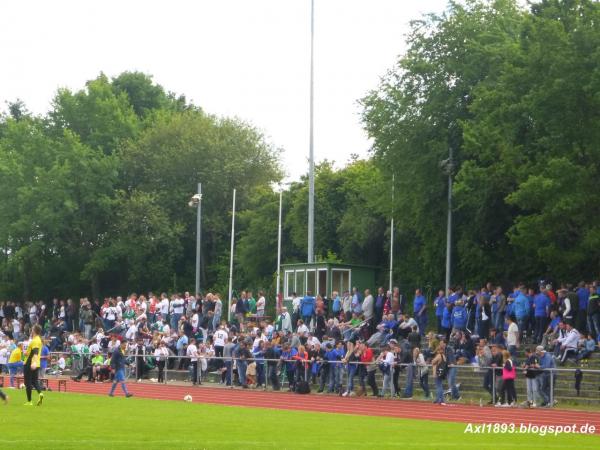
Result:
[[392, 235], [448, 167], [279, 245], [231, 258], [196, 201], [311, 154]]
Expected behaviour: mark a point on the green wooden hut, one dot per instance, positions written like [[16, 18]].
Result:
[[322, 278]]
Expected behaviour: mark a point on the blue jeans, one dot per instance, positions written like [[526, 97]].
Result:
[[334, 377], [175, 320], [228, 371], [242, 365], [452, 382], [216, 321], [499, 322], [410, 374], [14, 369], [351, 374], [439, 391], [260, 374]]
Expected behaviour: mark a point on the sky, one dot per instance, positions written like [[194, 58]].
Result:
[[244, 58]]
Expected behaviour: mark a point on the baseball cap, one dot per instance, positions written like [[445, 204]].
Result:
[[540, 348]]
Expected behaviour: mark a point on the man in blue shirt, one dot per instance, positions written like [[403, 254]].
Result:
[[521, 311], [356, 301], [541, 304], [583, 294], [307, 307], [379, 303], [440, 305], [420, 311]]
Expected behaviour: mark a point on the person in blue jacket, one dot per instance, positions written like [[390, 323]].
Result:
[[290, 365], [541, 307], [459, 316], [521, 310], [307, 307], [447, 320], [420, 311], [440, 305], [334, 357]]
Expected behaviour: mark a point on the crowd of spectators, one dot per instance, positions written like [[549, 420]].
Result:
[[329, 343]]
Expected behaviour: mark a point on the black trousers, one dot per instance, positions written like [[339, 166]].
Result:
[[31, 380], [161, 371]]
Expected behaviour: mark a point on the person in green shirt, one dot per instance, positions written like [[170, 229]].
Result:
[[251, 303], [97, 363]]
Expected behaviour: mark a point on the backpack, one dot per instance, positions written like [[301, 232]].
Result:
[[302, 387], [442, 369]]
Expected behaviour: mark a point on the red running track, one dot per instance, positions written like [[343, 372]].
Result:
[[409, 409]]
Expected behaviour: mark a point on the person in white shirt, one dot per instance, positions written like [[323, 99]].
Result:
[[160, 355], [512, 336], [192, 353], [95, 348], [568, 343], [302, 328], [16, 330], [386, 362], [218, 311], [163, 306], [286, 321], [261, 304], [195, 321], [177, 307], [131, 332], [33, 314]]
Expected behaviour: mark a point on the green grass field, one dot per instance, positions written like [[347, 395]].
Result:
[[77, 421]]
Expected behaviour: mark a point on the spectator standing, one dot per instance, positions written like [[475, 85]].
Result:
[[440, 305], [508, 395], [420, 311], [532, 370], [546, 363]]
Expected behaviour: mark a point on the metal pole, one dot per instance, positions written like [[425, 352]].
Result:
[[494, 386], [279, 246], [449, 226], [311, 159], [198, 239], [551, 388], [392, 237], [231, 259]]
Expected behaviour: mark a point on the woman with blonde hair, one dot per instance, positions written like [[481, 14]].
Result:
[[509, 373]]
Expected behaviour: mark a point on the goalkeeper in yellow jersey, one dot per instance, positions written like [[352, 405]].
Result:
[[31, 366]]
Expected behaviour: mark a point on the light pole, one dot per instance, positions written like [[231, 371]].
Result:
[[311, 158], [279, 245], [392, 235], [231, 258], [448, 167], [196, 201]]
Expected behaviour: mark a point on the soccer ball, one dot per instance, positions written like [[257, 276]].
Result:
[[187, 398], [22, 386]]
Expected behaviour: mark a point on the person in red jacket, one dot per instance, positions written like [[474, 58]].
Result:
[[367, 369]]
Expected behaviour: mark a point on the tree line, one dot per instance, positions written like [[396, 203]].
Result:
[[94, 193]]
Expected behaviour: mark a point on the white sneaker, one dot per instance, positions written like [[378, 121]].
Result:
[[345, 394], [351, 394], [533, 405], [498, 405]]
